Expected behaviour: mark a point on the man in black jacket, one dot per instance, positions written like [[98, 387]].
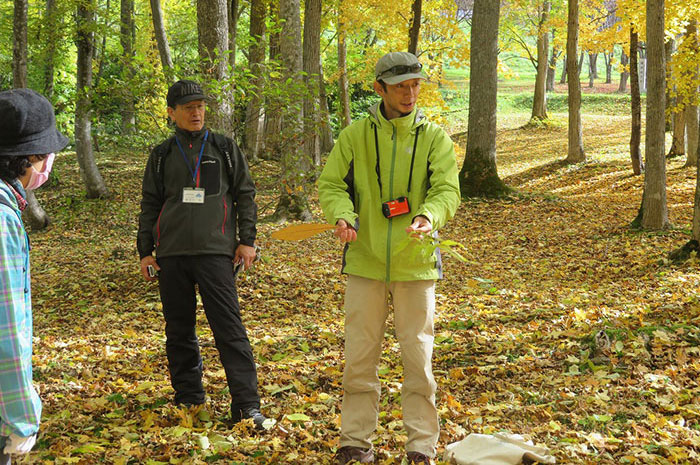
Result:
[[197, 194]]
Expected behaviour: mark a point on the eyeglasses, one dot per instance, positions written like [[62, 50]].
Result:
[[401, 69]]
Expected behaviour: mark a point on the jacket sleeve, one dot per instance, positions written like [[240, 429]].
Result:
[[443, 195], [243, 192], [20, 407], [151, 204], [336, 185]]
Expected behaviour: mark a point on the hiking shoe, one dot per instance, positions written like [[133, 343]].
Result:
[[250, 412], [352, 454], [418, 458]]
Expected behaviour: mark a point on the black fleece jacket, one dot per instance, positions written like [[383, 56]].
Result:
[[216, 227]]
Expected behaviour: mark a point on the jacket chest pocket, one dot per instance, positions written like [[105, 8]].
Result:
[[210, 175]]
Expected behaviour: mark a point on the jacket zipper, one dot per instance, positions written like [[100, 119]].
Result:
[[391, 196]]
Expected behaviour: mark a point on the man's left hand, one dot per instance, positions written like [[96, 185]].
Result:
[[420, 224], [245, 254]]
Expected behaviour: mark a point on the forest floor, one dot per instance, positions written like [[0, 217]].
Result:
[[564, 326]]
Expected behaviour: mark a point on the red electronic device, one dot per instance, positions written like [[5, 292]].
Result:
[[396, 207]]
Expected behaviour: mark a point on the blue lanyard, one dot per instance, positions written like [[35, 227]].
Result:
[[199, 159]]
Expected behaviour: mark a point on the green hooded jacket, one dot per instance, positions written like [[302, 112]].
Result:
[[349, 188]]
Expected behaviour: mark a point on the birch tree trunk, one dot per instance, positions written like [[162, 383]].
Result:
[[479, 175], [636, 106], [655, 209], [166, 59], [539, 101], [345, 118], [94, 184], [575, 152], [256, 57]]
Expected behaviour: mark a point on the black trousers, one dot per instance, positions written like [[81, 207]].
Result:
[[213, 275]]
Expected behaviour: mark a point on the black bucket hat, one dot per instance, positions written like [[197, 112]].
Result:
[[184, 91], [28, 124]]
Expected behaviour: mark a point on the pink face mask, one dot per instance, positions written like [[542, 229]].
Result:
[[37, 178]]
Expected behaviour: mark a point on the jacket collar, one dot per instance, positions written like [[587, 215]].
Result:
[[404, 123], [14, 193], [190, 135]]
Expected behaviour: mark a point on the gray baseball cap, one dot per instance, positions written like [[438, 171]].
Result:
[[395, 67]]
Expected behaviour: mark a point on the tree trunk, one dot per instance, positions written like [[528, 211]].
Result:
[[50, 38], [592, 69], [414, 30], [270, 142], [326, 131], [94, 184], [642, 62], [19, 44], [479, 175], [126, 37], [580, 63], [655, 209], [212, 32], [162, 40], [564, 74], [608, 66], [624, 74], [344, 104], [34, 214], [575, 152], [293, 202], [696, 203], [636, 105], [551, 70], [256, 58], [99, 55], [539, 101], [691, 117], [312, 62], [678, 140], [233, 14]]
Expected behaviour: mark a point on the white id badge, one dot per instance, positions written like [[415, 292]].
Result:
[[193, 195]]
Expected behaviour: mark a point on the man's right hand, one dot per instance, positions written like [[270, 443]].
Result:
[[145, 261], [344, 231]]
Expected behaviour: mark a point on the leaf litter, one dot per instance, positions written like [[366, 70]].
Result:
[[563, 325]]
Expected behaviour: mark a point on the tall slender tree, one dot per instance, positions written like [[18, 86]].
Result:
[[575, 153], [34, 213], [636, 106], [654, 207], [162, 39], [479, 175], [312, 62], [344, 93], [85, 24], [256, 57], [624, 73], [293, 202], [539, 102], [50, 40], [126, 37], [414, 29], [691, 117]]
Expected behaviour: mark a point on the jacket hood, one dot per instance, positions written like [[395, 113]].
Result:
[[411, 121]]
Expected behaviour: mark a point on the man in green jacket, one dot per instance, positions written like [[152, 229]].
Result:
[[390, 175]]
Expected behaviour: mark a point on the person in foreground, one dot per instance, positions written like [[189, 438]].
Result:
[[197, 193], [390, 175], [28, 142]]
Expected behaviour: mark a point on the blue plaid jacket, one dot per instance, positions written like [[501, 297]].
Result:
[[20, 406]]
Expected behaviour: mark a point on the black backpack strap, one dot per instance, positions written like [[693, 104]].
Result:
[[225, 146], [160, 152]]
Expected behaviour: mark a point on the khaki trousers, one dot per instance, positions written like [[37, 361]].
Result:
[[366, 311]]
